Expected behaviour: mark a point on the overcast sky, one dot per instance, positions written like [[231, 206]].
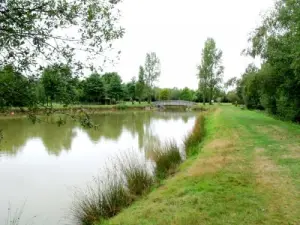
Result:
[[177, 29]]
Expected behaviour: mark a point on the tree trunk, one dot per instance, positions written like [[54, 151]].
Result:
[[210, 95]]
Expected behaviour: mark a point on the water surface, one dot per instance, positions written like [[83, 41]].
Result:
[[42, 164]]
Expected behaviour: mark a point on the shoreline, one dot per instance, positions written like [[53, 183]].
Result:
[[89, 109]]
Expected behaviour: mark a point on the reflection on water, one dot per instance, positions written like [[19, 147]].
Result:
[[42, 163]]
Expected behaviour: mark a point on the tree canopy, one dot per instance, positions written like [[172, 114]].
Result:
[[55, 31], [276, 85]]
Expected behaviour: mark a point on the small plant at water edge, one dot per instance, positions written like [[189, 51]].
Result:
[[100, 202], [194, 138], [167, 159]]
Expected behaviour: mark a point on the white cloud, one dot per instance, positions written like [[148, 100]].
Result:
[[176, 30]]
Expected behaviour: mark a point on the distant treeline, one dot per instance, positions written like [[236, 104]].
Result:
[[57, 84]]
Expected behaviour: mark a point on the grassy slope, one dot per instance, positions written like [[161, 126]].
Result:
[[247, 173]]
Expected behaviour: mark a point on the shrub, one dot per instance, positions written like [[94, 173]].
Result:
[[121, 106], [195, 136], [167, 159]]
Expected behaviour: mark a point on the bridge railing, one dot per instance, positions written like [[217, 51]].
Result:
[[174, 103]]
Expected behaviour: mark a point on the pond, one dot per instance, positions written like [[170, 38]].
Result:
[[41, 164]]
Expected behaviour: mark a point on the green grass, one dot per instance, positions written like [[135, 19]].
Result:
[[247, 172]]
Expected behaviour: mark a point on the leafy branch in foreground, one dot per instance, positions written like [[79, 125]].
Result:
[[34, 31]]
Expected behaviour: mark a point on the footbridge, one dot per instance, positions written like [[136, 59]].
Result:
[[173, 103]]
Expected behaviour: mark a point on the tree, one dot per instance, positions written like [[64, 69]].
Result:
[[175, 94], [115, 89], [140, 85], [210, 70], [186, 94], [165, 94], [57, 82], [94, 88], [16, 89], [54, 31], [131, 89], [276, 41], [152, 72], [113, 86], [231, 82]]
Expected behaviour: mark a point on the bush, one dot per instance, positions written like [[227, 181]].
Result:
[[121, 106], [194, 138], [167, 159]]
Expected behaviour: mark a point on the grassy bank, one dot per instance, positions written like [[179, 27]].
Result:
[[91, 109], [247, 172], [58, 108], [131, 179]]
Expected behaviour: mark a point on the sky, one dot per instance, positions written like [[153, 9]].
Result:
[[177, 29]]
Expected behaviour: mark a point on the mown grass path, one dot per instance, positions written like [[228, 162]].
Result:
[[247, 172]]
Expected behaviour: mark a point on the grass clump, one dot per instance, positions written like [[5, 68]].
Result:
[[138, 179], [137, 175], [121, 106], [167, 158], [195, 136], [13, 218], [100, 202]]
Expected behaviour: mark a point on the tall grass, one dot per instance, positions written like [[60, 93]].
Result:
[[101, 201], [167, 158], [192, 140], [137, 175], [13, 218]]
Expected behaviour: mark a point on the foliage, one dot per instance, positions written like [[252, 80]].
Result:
[[276, 85], [113, 86], [57, 31], [16, 89], [187, 94], [131, 90], [151, 72], [93, 88], [58, 84], [210, 70], [164, 94], [140, 85]]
